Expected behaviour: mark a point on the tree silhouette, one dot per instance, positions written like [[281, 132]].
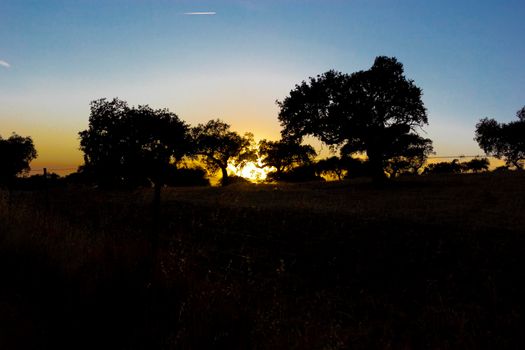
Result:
[[367, 111], [219, 146], [408, 155], [333, 166], [16, 153], [453, 167], [131, 146], [283, 155], [503, 140], [476, 165]]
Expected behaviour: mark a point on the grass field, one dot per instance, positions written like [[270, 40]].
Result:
[[421, 263]]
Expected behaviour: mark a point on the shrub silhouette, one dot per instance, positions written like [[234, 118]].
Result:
[[476, 165], [179, 177], [453, 167], [302, 173]]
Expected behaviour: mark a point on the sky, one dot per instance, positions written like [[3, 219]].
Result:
[[233, 59]]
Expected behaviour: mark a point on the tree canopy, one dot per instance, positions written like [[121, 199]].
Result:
[[218, 146], [372, 111], [16, 153], [503, 140], [131, 145]]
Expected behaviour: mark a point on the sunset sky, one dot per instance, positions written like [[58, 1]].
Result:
[[233, 59]]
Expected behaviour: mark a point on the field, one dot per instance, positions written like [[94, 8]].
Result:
[[420, 263]]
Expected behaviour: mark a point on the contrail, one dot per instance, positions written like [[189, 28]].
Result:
[[4, 64], [200, 13]]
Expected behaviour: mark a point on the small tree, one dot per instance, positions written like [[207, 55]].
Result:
[[408, 155], [219, 146], [16, 153], [453, 167], [333, 166], [283, 155], [503, 140], [476, 165]]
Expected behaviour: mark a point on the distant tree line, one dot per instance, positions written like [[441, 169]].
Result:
[[370, 117]]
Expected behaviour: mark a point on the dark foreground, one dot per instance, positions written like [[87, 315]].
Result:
[[426, 263]]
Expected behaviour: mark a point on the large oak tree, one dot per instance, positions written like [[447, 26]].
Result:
[[370, 111]]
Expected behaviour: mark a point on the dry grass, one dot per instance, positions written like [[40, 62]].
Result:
[[427, 262]]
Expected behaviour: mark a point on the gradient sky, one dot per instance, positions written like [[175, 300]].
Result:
[[56, 56]]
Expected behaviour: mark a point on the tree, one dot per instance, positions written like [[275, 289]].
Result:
[[16, 153], [408, 155], [219, 146], [503, 140], [283, 155], [131, 145], [453, 167], [333, 166], [367, 111], [476, 165]]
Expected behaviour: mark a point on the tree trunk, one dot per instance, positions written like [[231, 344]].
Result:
[[154, 232], [224, 179], [375, 160]]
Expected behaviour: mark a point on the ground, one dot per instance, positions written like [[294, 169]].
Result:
[[423, 262]]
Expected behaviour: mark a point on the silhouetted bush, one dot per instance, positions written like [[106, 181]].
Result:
[[38, 182], [302, 173], [356, 168], [453, 167], [80, 177], [502, 169], [476, 165], [187, 177], [233, 179]]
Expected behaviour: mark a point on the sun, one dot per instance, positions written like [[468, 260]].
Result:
[[250, 171]]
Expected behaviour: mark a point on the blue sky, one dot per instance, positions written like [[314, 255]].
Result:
[[57, 56]]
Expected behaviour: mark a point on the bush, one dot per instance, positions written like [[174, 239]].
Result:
[[187, 177], [302, 173]]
